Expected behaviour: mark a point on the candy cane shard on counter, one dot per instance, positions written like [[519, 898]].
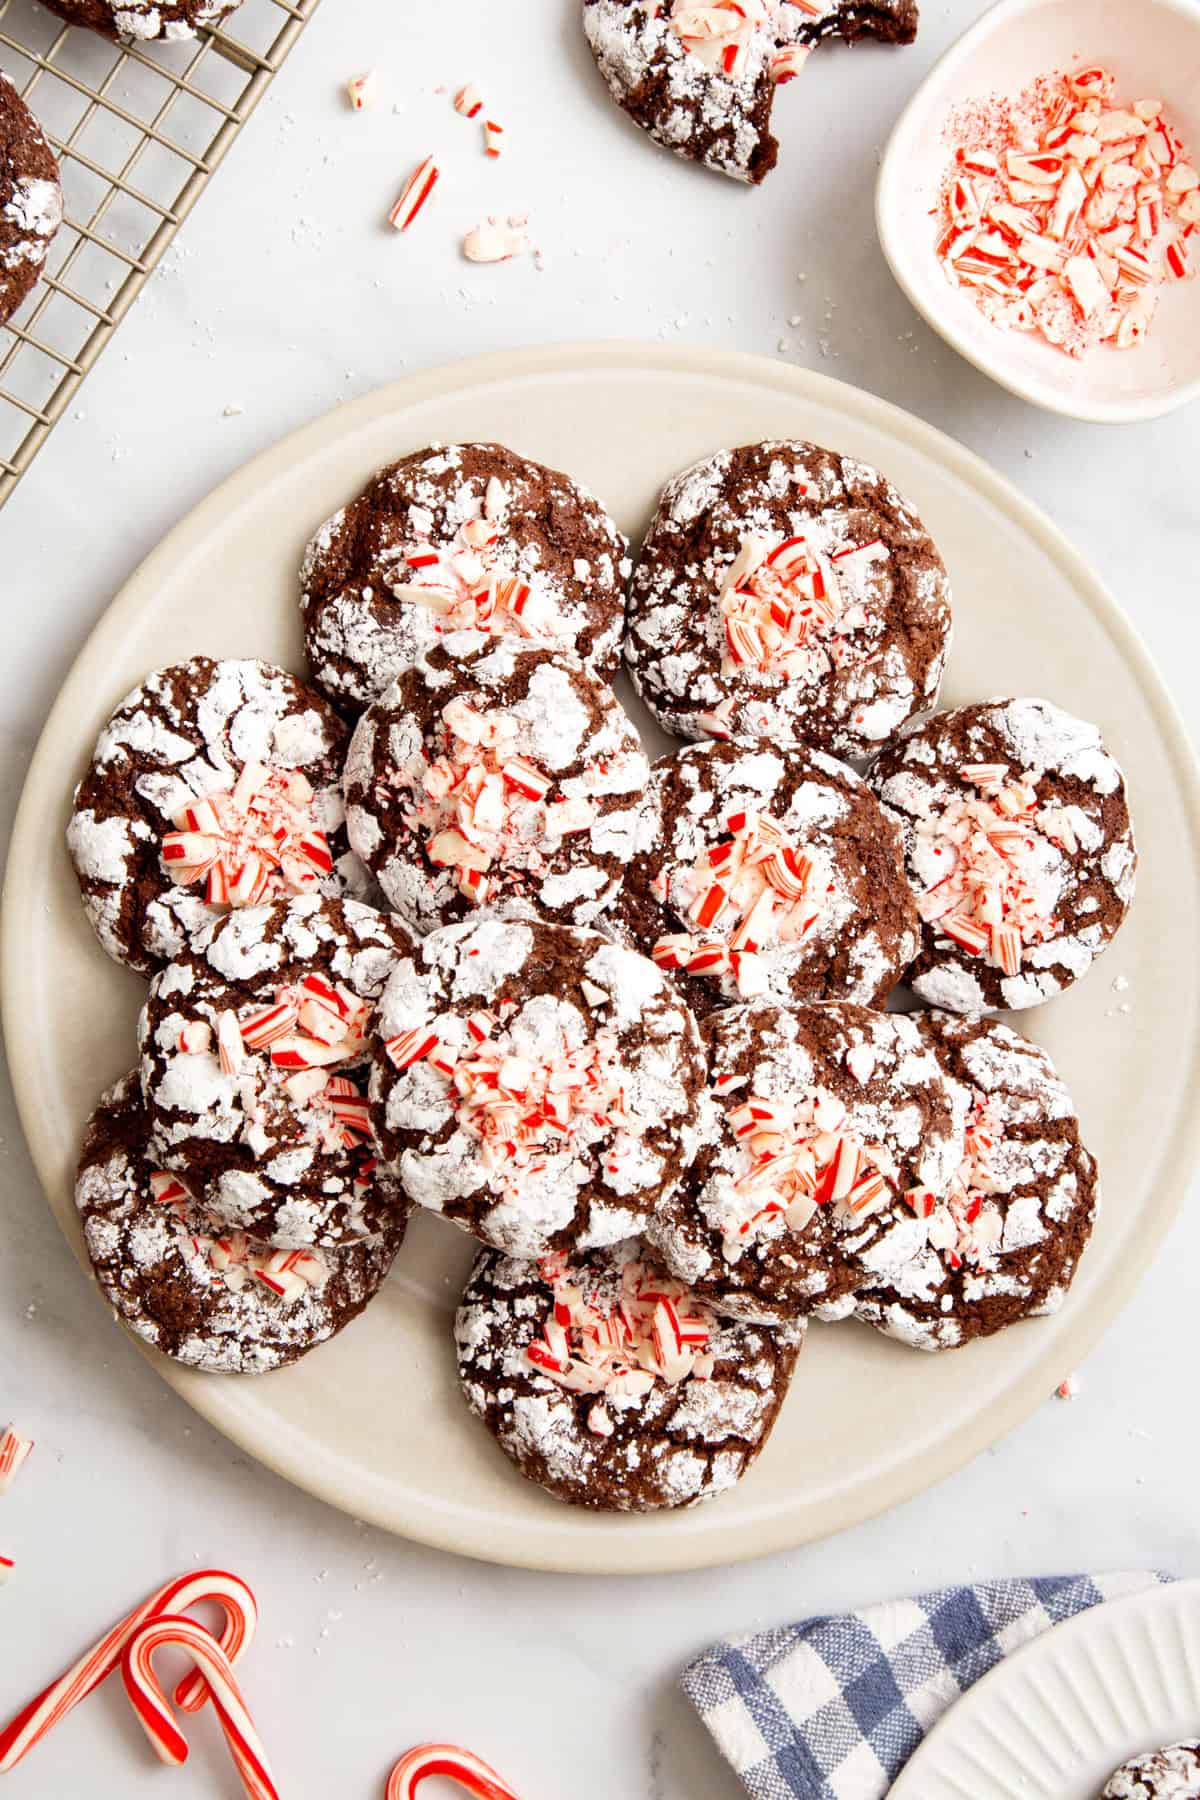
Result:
[[14, 1451], [54, 1702], [6, 1568], [471, 1773], [414, 194], [154, 1713]]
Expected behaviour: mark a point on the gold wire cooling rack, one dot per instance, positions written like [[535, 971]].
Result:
[[138, 133]]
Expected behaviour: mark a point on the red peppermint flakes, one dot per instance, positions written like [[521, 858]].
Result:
[[719, 32], [782, 607], [800, 1155], [996, 854], [484, 808], [258, 840], [1064, 213], [469, 585], [967, 1227], [620, 1343], [757, 886]]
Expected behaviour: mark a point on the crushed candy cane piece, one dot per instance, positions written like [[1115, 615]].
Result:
[[640, 1328], [14, 1452], [997, 852], [1068, 1388], [784, 610], [468, 101], [235, 1258], [755, 883], [493, 138], [258, 840], [718, 33], [7, 1565], [414, 194], [362, 90], [800, 1156], [1063, 213], [492, 243], [468, 585]]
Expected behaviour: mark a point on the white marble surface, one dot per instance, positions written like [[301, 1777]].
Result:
[[284, 296]]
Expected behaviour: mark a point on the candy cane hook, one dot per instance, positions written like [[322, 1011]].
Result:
[[470, 1772], [54, 1702], [153, 1709]]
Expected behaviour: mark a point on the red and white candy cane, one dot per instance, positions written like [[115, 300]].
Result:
[[54, 1702], [471, 1773], [153, 1709]]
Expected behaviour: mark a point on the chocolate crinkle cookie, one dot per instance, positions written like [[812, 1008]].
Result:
[[824, 1133], [253, 1066], [1169, 1774], [215, 1300], [145, 21], [460, 542], [534, 1083], [499, 776], [1019, 850], [788, 593], [1004, 1243], [214, 785], [769, 874], [31, 202], [606, 1382], [700, 75]]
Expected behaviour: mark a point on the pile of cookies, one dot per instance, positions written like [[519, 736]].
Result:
[[433, 932]]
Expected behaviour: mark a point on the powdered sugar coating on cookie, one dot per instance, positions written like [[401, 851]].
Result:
[[822, 1129], [210, 1301], [1005, 1242], [31, 202], [700, 79], [497, 776], [137, 22], [788, 593], [1019, 850], [253, 1052], [535, 1084], [674, 1430], [207, 763], [769, 874], [1169, 1774], [459, 543]]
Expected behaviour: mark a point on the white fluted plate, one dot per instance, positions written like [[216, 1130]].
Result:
[[1055, 1719]]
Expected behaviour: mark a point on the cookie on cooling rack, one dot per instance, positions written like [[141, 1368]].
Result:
[[497, 776], [534, 1083], [253, 1066], [31, 202], [788, 593], [214, 1300], [699, 76], [769, 874], [465, 542], [1004, 1243], [609, 1384], [145, 21], [213, 785], [1019, 850], [823, 1131], [1169, 1774]]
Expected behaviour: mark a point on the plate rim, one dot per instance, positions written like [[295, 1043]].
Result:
[[538, 1548], [1082, 1624]]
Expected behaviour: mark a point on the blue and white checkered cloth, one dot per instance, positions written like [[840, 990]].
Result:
[[832, 1708]]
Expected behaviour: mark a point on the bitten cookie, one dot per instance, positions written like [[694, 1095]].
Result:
[[465, 542], [497, 776], [700, 75], [1005, 1242], [769, 873], [213, 785], [609, 1384], [221, 1303], [789, 593], [253, 1053], [824, 1131], [1019, 850], [535, 1083], [144, 21], [1170, 1774], [31, 202]]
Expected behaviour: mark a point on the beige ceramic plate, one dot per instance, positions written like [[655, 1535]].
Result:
[[1054, 1720], [374, 1423]]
